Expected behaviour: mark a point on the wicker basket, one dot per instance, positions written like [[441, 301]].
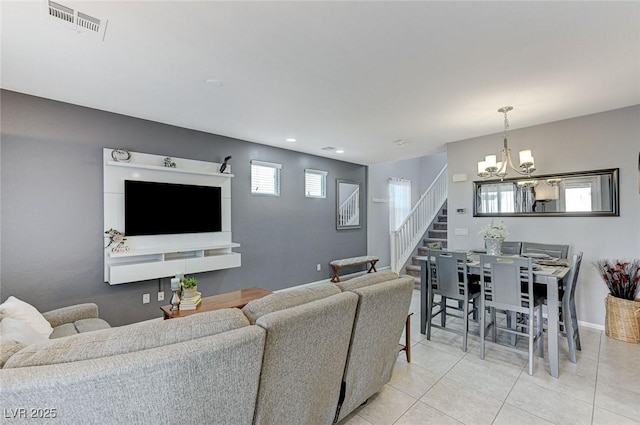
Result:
[[622, 321]]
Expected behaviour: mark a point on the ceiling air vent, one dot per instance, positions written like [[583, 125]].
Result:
[[73, 19]]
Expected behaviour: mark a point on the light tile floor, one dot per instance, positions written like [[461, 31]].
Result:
[[443, 385]]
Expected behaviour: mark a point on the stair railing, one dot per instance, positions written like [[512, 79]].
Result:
[[348, 210], [405, 239]]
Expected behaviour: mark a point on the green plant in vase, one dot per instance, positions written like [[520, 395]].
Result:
[[190, 286]]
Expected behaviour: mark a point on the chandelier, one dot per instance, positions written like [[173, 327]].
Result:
[[490, 167]]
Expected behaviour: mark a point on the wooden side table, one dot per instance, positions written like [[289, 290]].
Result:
[[237, 299]]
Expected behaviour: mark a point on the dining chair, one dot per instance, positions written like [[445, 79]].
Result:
[[507, 284], [448, 277], [555, 251], [568, 315], [512, 248]]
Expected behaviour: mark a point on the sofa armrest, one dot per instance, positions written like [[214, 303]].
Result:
[[71, 314]]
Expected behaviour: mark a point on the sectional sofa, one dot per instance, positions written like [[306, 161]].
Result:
[[305, 355]]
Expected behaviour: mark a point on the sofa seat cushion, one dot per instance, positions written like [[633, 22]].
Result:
[[127, 339], [291, 297], [79, 326], [367, 280]]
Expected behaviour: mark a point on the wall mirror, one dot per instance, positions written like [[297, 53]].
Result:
[[347, 204], [577, 194]]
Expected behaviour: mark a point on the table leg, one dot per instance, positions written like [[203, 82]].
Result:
[[335, 277], [423, 296], [407, 338], [553, 308], [373, 266]]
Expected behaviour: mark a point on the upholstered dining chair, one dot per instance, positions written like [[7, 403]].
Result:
[[448, 277], [507, 284], [555, 251], [512, 248]]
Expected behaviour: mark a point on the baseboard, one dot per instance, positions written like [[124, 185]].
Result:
[[591, 325]]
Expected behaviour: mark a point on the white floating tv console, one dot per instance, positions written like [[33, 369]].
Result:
[[156, 256]]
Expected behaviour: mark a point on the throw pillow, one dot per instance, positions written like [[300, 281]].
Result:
[[17, 309], [18, 330]]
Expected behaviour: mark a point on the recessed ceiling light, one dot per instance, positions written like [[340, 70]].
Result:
[[339, 151], [328, 148], [214, 83], [291, 139], [400, 142]]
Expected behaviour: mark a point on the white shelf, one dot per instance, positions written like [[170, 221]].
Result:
[[150, 263], [171, 250], [169, 169]]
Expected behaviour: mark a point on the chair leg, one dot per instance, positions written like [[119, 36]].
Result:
[[574, 323], [532, 330], [429, 311], [465, 325], [494, 328], [443, 309], [539, 332], [482, 328]]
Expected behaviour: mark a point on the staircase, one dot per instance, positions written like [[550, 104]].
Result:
[[437, 233]]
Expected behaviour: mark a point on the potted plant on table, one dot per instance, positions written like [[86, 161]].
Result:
[[622, 320], [190, 287], [494, 234]]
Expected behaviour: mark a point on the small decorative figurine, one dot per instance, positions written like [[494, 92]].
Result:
[[118, 238], [121, 155], [169, 162], [224, 164]]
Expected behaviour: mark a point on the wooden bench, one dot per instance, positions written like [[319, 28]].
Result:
[[336, 265]]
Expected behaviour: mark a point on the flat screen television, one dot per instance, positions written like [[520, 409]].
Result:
[[152, 208]]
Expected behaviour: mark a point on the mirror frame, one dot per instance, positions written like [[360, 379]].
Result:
[[615, 199], [356, 183]]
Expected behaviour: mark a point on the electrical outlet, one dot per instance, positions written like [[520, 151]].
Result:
[[318, 267], [146, 298], [161, 296]]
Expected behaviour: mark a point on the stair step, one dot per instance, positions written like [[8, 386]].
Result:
[[444, 241], [440, 226], [438, 234], [443, 211], [412, 270], [442, 218]]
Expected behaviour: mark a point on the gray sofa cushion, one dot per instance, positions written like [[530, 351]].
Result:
[[209, 380], [127, 339], [288, 298], [367, 280], [304, 357], [380, 318], [82, 325], [8, 347]]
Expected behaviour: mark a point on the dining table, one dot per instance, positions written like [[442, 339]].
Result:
[[548, 273]]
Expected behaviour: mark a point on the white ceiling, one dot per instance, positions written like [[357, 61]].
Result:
[[352, 75]]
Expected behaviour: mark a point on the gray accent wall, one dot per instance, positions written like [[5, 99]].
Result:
[[52, 209], [605, 140]]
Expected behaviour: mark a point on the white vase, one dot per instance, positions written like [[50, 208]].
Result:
[[493, 245], [189, 292]]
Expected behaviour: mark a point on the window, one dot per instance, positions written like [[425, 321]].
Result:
[[499, 197], [265, 178], [399, 201], [315, 183]]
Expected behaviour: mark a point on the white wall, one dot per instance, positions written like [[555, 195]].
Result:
[[421, 171], [606, 140]]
